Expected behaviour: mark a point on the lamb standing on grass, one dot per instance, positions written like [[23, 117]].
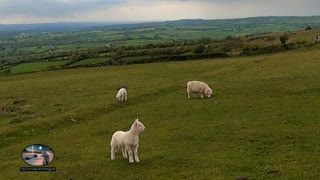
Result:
[[127, 141], [198, 87], [122, 94]]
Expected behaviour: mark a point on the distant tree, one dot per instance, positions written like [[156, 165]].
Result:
[[115, 55], [308, 28], [283, 39], [229, 38], [119, 51], [74, 56], [198, 49], [130, 47], [205, 40], [232, 38]]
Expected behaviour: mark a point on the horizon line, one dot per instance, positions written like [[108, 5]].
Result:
[[148, 21]]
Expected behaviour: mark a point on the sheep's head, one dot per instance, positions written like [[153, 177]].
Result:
[[208, 92], [139, 125], [118, 96]]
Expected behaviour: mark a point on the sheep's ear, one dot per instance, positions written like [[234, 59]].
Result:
[[136, 121]]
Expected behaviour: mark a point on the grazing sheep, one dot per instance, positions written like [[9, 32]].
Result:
[[122, 94], [128, 142], [198, 87], [317, 39]]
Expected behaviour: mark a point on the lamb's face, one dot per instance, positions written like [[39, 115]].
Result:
[[140, 126], [209, 92]]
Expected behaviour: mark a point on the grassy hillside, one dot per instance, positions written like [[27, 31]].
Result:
[[262, 121]]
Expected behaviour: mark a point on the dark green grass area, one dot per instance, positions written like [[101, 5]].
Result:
[[261, 123], [36, 66]]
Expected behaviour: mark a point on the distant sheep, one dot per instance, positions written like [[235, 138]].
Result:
[[128, 142], [122, 95], [317, 39], [198, 87]]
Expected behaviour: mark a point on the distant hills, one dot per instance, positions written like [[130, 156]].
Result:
[[50, 27], [294, 21]]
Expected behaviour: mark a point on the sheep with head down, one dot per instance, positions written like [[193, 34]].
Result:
[[198, 87], [128, 142], [122, 94]]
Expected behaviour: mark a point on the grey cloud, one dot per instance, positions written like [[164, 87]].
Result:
[[52, 8]]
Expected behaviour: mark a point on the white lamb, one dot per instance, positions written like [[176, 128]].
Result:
[[122, 94], [128, 142], [198, 87]]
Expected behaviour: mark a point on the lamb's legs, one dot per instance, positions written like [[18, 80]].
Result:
[[128, 148], [124, 152], [135, 151], [113, 153]]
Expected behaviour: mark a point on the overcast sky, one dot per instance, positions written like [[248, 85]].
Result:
[[40, 11]]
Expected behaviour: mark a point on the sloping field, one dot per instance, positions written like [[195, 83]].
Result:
[[261, 123]]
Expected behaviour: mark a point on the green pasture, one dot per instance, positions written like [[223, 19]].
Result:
[[36, 66], [261, 123]]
